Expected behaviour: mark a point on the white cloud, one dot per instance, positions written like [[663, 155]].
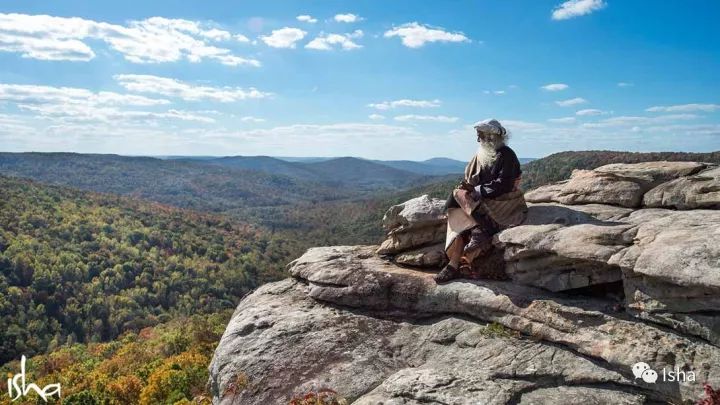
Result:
[[495, 92], [555, 87], [307, 18], [414, 35], [327, 42], [685, 108], [589, 112], [624, 84], [152, 40], [387, 105], [284, 37], [252, 119], [376, 117], [347, 18], [33, 94], [434, 118], [571, 102], [625, 121], [564, 120], [576, 8], [175, 88], [241, 38]]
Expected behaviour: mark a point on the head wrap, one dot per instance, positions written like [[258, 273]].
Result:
[[490, 127]]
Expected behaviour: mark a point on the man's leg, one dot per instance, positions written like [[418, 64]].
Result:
[[454, 253]]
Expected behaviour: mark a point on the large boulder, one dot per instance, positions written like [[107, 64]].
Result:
[[699, 191], [617, 184], [412, 226], [379, 333]]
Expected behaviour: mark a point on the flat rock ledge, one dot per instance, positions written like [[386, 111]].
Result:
[[379, 333]]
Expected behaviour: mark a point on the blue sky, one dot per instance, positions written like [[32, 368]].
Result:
[[402, 79]]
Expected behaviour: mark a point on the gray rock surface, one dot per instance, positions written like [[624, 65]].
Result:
[[432, 256], [413, 225], [416, 213], [379, 333], [618, 184], [699, 191]]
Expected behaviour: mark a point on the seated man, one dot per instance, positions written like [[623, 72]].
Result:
[[487, 200]]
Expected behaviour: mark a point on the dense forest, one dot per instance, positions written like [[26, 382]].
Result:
[[559, 166], [165, 364], [83, 267]]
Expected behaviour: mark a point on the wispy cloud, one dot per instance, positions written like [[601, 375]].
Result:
[[327, 42], [576, 8], [284, 37], [152, 40], [306, 18], [435, 118], [624, 84], [387, 105], [175, 88], [347, 18], [555, 87], [495, 92], [69, 104], [252, 119], [376, 117], [571, 102], [415, 35], [685, 108], [564, 120], [590, 112], [639, 120]]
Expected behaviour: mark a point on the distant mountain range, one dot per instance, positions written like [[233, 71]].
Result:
[[315, 167]]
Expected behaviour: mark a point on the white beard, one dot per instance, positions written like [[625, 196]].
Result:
[[486, 154]]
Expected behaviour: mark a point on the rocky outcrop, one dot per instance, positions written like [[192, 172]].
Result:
[[616, 184], [416, 232], [597, 285]]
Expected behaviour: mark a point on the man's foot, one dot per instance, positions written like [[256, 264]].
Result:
[[447, 274]]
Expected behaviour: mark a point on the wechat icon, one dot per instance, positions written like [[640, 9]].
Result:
[[643, 370]]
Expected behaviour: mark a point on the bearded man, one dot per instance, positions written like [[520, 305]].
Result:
[[487, 201]]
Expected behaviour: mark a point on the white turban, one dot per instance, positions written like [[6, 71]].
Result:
[[490, 126]]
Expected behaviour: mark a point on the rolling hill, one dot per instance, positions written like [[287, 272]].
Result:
[[86, 267]]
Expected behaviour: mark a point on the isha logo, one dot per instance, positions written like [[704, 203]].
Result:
[[18, 388]]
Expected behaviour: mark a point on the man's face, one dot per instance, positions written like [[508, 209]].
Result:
[[482, 137]]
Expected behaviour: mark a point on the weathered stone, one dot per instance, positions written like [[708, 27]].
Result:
[[699, 191], [416, 213], [402, 241], [429, 257], [281, 340], [617, 184]]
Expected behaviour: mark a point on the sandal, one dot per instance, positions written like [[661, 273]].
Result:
[[447, 274]]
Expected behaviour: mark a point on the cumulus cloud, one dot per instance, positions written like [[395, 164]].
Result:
[[571, 102], [415, 35], [284, 37], [307, 18], [347, 18], [376, 117], [34, 94], [495, 92], [576, 8], [175, 88], [327, 42], [590, 111], [387, 105], [152, 40], [434, 118], [555, 87], [685, 108]]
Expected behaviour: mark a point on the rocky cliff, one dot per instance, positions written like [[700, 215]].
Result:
[[613, 267]]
